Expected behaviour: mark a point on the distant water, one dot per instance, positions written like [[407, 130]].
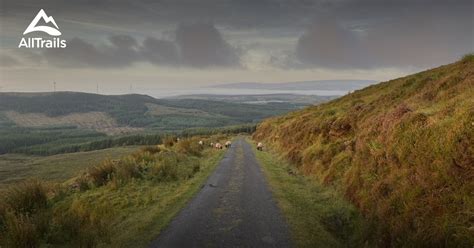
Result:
[[161, 93]]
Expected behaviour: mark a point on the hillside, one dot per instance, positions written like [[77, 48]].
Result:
[[138, 111], [402, 151], [62, 122]]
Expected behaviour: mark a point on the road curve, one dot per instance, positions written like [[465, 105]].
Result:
[[235, 208]]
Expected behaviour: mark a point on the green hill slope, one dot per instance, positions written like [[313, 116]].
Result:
[[140, 110], [402, 151]]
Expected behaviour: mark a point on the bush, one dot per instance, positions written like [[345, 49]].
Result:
[[125, 170], [169, 141], [20, 231], [151, 149], [26, 197], [189, 146], [166, 169], [80, 224], [102, 173]]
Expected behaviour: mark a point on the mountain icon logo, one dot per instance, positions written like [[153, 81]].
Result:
[[47, 29]]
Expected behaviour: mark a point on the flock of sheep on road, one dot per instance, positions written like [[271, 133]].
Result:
[[228, 144]]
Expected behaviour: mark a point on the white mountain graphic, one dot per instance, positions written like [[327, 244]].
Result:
[[47, 19]]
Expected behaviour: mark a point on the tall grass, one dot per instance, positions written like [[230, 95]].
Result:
[[34, 214], [401, 151]]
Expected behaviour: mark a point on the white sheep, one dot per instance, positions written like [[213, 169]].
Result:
[[218, 146], [260, 146], [201, 143], [228, 144]]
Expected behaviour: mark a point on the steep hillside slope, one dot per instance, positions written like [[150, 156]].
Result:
[[402, 151]]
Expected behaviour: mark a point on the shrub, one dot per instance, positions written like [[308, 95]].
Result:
[[166, 169], [151, 149], [20, 231], [80, 224], [26, 197], [189, 146], [169, 141], [125, 170], [143, 157], [468, 58], [102, 173], [81, 183]]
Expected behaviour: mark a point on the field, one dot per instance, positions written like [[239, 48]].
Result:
[[124, 202], [17, 167]]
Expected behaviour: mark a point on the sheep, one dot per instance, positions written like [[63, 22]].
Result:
[[211, 144], [218, 146], [260, 146], [228, 144], [201, 143]]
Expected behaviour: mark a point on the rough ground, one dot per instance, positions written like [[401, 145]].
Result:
[[234, 209]]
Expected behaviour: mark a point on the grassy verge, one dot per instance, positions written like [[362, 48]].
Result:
[[143, 208], [317, 215], [117, 203]]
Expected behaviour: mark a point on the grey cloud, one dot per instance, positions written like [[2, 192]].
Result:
[[160, 51], [80, 53], [397, 34], [196, 45], [327, 44], [202, 45]]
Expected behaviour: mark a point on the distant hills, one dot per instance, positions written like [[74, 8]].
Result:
[[261, 98], [326, 85], [105, 113], [401, 151]]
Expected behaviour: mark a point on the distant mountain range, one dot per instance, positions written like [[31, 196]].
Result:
[[334, 85]]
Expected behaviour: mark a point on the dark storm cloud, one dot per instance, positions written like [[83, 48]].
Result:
[[370, 34], [327, 44], [197, 45], [329, 33], [202, 45], [158, 51]]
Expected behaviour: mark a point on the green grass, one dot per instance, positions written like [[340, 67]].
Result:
[[318, 216], [401, 151], [16, 167], [142, 208], [123, 202]]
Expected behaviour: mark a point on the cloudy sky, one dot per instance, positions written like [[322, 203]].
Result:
[[187, 44]]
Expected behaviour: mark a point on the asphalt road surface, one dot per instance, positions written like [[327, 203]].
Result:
[[235, 208]]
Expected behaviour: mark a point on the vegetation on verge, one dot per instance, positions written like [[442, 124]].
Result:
[[401, 151], [318, 216], [118, 203]]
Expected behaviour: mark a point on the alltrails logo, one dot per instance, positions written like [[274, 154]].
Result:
[[39, 42]]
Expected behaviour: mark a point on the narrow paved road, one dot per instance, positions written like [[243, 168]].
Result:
[[234, 209]]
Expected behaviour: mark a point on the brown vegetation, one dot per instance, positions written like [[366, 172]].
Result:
[[402, 151]]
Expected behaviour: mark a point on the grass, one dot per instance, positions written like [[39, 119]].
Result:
[[143, 208], [401, 151], [17, 167], [118, 203], [318, 216]]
